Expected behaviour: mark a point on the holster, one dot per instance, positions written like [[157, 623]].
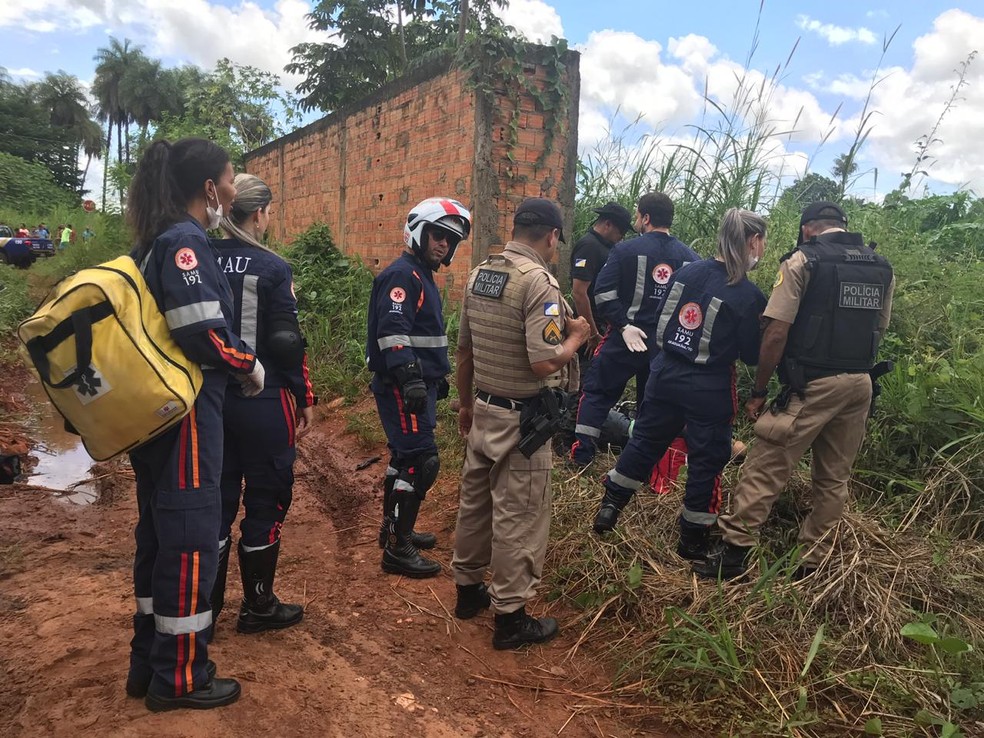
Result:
[[540, 418]]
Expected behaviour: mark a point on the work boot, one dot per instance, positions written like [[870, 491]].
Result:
[[422, 541], [606, 519], [694, 540], [471, 599], [725, 561], [400, 556], [261, 609], [215, 693], [138, 680], [517, 629], [218, 589]]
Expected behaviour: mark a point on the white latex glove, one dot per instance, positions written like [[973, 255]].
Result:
[[252, 383], [635, 339]]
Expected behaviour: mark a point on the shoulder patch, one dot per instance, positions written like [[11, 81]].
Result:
[[552, 309], [552, 334], [778, 280], [490, 283], [580, 263], [662, 273], [185, 259], [398, 294], [691, 316]]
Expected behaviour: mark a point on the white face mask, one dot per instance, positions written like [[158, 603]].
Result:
[[752, 262], [214, 214]]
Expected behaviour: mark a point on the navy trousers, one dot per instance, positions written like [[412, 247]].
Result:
[[408, 435], [260, 451], [611, 369], [177, 544], [701, 404]]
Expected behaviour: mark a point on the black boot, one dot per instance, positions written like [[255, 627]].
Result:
[[694, 541], [606, 519], [218, 589], [214, 693], [517, 629], [138, 680], [471, 599], [422, 541], [725, 561], [261, 610], [400, 556]]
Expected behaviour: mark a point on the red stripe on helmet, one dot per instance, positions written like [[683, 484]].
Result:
[[450, 208]]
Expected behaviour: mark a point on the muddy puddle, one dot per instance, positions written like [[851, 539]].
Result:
[[63, 464]]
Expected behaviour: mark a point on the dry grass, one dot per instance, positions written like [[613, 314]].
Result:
[[769, 656]]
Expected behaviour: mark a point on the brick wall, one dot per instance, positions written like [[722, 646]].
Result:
[[362, 168]]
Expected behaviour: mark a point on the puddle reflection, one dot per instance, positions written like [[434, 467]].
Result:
[[63, 463]]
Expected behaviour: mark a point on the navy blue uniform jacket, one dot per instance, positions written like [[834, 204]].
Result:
[[406, 322]]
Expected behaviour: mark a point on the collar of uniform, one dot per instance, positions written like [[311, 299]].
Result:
[[192, 219], [600, 239], [523, 250], [842, 237], [415, 260]]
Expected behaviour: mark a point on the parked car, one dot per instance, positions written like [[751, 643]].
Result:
[[22, 252]]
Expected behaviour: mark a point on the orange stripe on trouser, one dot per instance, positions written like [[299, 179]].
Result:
[[194, 449], [191, 636], [180, 663]]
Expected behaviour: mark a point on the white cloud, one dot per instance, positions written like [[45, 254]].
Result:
[[45, 16], [836, 35], [24, 73], [534, 19]]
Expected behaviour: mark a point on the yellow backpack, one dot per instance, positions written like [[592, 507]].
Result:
[[105, 356]]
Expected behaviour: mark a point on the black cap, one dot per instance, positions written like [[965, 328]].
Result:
[[617, 215], [540, 211], [822, 210]]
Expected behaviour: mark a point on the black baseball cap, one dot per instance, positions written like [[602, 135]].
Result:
[[822, 210], [617, 215], [540, 211]]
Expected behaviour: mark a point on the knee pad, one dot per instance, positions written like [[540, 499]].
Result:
[[418, 475]]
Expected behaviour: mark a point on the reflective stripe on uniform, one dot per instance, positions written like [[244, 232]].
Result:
[[196, 312], [250, 310], [182, 626], [416, 341], [704, 352], [392, 471], [587, 430], [145, 605], [606, 296], [640, 287], [669, 308], [248, 549], [402, 485], [699, 518], [616, 477]]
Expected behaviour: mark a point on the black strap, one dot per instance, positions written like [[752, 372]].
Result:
[[78, 324], [503, 402]]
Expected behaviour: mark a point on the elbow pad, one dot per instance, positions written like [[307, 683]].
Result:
[[284, 342]]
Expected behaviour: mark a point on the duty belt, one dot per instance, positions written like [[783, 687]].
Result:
[[503, 402]]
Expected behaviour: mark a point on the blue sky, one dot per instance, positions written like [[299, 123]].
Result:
[[644, 58]]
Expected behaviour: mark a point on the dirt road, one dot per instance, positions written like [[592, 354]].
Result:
[[375, 656]]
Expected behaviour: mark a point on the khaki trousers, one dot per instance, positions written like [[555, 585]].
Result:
[[831, 421], [504, 510]]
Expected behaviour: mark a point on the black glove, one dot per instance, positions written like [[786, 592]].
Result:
[[412, 388], [443, 388]]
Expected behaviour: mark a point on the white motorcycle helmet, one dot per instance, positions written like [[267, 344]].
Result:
[[440, 212]]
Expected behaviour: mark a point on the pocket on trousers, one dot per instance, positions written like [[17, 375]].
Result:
[[188, 520], [528, 480], [778, 429]]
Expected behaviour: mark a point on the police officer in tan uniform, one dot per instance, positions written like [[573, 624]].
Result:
[[517, 336], [829, 309]]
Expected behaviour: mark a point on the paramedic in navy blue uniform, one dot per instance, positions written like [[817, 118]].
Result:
[[407, 351], [177, 191], [587, 258], [708, 319], [260, 431], [627, 293]]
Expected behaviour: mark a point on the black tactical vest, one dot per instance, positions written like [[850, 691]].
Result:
[[836, 328]]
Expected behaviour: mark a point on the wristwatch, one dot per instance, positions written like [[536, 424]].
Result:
[[759, 394]]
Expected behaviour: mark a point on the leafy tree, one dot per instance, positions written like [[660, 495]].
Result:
[[811, 188], [112, 64], [61, 94], [29, 187], [845, 165], [375, 41]]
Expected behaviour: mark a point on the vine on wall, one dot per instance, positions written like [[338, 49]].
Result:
[[495, 63]]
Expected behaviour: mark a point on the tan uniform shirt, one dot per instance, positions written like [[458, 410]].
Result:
[[513, 315], [790, 286]]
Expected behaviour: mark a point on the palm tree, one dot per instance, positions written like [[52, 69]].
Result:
[[112, 64], [61, 94]]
